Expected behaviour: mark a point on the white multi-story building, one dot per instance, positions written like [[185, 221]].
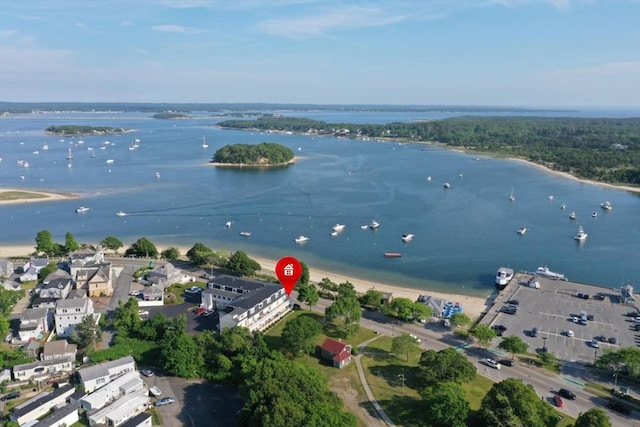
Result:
[[128, 406], [70, 312], [96, 376], [34, 323], [248, 303]]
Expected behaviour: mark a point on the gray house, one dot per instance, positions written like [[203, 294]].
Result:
[[6, 268]]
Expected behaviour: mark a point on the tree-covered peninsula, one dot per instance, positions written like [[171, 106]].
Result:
[[73, 130], [169, 116], [264, 154], [601, 149]]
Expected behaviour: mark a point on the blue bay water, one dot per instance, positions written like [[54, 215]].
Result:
[[462, 234]]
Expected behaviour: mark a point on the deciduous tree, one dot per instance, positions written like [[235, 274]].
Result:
[[304, 277], [112, 243], [241, 264], [70, 243], [45, 243], [594, 417], [309, 295], [404, 344], [199, 254], [171, 254], [299, 334], [372, 298], [143, 247], [510, 403], [484, 334], [445, 365], [87, 333], [514, 345], [46, 270], [460, 319], [446, 405]]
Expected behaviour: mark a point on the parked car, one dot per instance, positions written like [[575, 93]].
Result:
[[567, 394], [569, 333], [136, 293], [165, 401], [590, 317], [612, 340], [575, 319], [558, 401], [208, 313], [506, 362], [534, 332], [415, 338], [637, 328], [513, 302], [595, 344], [490, 362], [10, 396], [194, 290], [147, 372], [155, 391], [143, 312], [200, 310]]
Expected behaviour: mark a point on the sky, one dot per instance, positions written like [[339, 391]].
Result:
[[529, 53]]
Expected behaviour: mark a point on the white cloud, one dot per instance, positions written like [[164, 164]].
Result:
[[8, 33], [176, 29], [350, 17]]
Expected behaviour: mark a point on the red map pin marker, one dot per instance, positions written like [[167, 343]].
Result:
[[288, 271]]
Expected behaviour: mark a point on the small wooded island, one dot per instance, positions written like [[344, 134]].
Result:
[[265, 154], [73, 130], [168, 116]]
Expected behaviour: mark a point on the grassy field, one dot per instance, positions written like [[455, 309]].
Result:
[[401, 399], [175, 292]]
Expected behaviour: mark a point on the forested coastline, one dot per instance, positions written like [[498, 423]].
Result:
[[600, 149], [75, 130]]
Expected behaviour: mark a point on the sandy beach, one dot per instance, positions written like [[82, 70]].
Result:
[[473, 306], [11, 196]]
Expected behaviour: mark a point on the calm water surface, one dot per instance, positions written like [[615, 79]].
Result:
[[463, 234]]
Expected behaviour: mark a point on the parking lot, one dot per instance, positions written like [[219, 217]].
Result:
[[552, 309]]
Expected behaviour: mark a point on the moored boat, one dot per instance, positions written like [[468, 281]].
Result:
[[82, 209], [545, 272], [594, 214], [364, 227], [563, 206], [447, 185], [522, 230], [407, 237], [245, 233], [573, 215], [581, 235], [606, 206], [504, 276], [334, 233], [338, 227], [374, 225], [392, 255], [301, 239]]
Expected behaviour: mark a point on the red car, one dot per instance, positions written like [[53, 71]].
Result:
[[558, 401], [200, 310]]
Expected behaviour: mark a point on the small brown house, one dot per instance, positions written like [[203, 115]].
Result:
[[336, 351]]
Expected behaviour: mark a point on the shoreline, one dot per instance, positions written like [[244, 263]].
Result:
[[247, 165], [40, 196], [473, 306]]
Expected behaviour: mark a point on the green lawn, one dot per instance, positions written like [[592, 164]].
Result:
[[175, 292]]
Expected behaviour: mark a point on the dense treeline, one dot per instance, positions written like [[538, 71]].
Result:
[[167, 115], [606, 150], [261, 154], [73, 130]]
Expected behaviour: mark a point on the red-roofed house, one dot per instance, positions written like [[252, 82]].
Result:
[[336, 351]]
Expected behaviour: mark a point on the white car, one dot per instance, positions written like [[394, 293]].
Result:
[[136, 293], [415, 338], [569, 333], [194, 290], [143, 312], [493, 363]]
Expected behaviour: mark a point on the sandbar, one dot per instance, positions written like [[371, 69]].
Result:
[[11, 196]]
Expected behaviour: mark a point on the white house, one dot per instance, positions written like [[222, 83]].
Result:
[[164, 275], [248, 303], [127, 383], [121, 410], [64, 416], [43, 403], [59, 350], [34, 323], [32, 267], [42, 369], [56, 285], [70, 312], [96, 376]]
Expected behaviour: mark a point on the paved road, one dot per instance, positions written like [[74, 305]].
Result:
[[545, 383]]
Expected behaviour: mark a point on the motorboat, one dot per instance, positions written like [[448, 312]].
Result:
[[550, 197], [245, 233], [110, 161], [334, 233], [45, 147], [573, 215], [120, 213], [512, 197], [364, 227], [338, 227], [392, 255], [504, 276], [374, 225], [447, 185], [82, 209], [227, 224], [522, 230], [429, 178], [581, 235], [606, 206], [594, 214], [157, 174], [545, 272], [407, 237], [563, 206], [301, 239]]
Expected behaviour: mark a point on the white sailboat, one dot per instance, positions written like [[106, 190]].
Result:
[[70, 155], [204, 142], [512, 197]]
